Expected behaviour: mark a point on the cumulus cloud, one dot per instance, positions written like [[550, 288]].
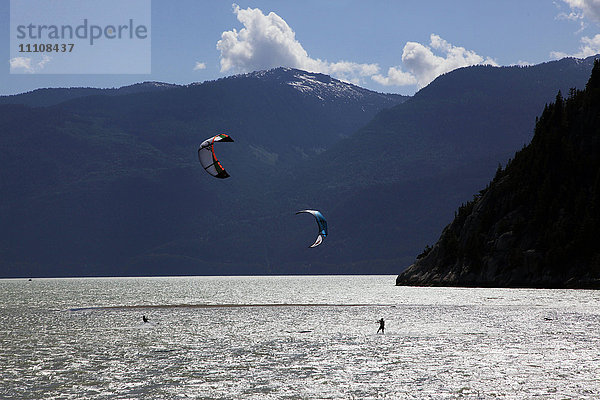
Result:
[[27, 65], [267, 41], [395, 77], [423, 65], [590, 46], [199, 66]]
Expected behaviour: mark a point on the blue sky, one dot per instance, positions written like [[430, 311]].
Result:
[[384, 45]]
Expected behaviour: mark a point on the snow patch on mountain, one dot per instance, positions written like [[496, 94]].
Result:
[[324, 87], [321, 86]]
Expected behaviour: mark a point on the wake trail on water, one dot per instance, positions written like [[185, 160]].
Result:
[[172, 306]]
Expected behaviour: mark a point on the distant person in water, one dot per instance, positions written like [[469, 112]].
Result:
[[381, 326], [145, 318]]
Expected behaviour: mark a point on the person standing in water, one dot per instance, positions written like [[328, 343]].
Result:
[[381, 326]]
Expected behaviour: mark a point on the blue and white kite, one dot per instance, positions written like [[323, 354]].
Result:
[[320, 222]]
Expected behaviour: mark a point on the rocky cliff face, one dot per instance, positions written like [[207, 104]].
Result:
[[537, 224]]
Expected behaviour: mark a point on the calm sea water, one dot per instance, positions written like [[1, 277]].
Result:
[[310, 337]]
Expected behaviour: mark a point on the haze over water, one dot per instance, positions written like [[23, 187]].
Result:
[[309, 337]]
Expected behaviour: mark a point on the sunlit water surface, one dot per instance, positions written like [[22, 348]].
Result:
[[311, 337]]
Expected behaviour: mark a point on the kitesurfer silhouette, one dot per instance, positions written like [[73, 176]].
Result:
[[381, 326], [145, 318]]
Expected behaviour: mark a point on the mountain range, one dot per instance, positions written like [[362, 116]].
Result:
[[107, 181]]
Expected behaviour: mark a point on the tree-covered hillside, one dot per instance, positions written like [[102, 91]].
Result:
[[537, 224]]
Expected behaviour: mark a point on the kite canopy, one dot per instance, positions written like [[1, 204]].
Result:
[[321, 223], [208, 159]]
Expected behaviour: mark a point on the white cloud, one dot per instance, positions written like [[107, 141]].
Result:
[[423, 66], [589, 9], [199, 66], [582, 10], [19, 63], [572, 16], [42, 63], [27, 65], [522, 63], [589, 47], [349, 71], [395, 77], [267, 41]]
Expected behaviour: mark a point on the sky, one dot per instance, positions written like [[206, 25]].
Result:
[[383, 45]]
